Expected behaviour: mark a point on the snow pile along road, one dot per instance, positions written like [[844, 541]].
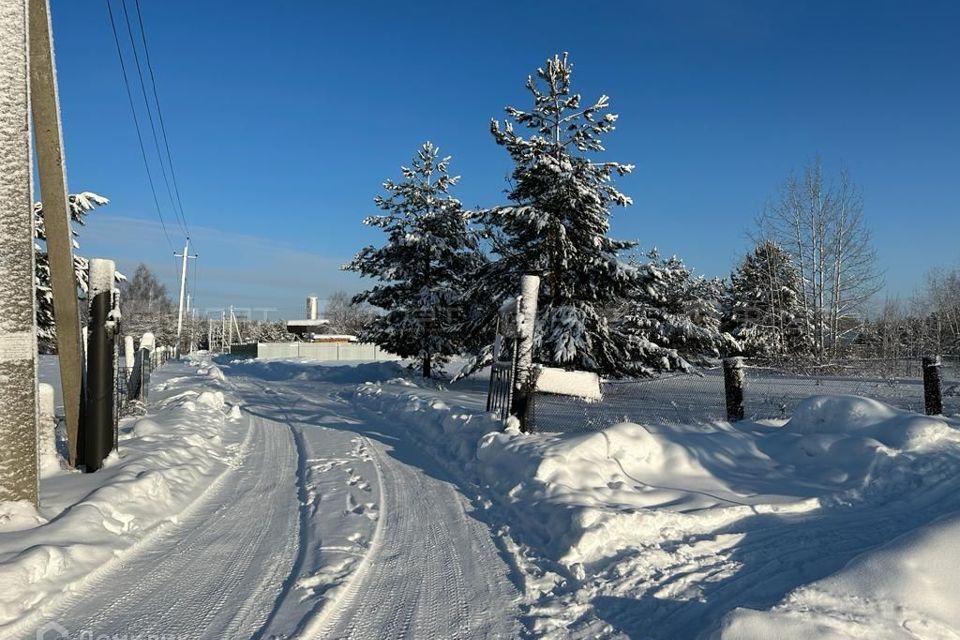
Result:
[[88, 523], [660, 531]]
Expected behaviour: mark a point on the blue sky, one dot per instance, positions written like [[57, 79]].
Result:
[[284, 118]]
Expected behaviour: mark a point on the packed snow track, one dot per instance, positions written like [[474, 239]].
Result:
[[326, 524]]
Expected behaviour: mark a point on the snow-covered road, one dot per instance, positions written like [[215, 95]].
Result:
[[430, 569], [326, 524], [216, 572]]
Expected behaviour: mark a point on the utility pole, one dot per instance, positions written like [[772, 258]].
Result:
[[237, 325], [183, 285], [193, 328], [45, 105], [223, 332], [18, 329], [230, 330]]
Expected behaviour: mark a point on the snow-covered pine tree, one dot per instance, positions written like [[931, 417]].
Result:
[[674, 319], [557, 226], [424, 266], [764, 305], [80, 205]]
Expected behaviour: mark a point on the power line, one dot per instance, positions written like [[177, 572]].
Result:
[[156, 98], [153, 128], [136, 122]]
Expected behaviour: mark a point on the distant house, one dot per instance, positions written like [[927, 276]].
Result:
[[307, 330]]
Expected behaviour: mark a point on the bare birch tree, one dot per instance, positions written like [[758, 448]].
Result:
[[820, 223]]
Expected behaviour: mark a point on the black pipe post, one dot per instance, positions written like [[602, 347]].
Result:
[[932, 398], [98, 425], [733, 387]]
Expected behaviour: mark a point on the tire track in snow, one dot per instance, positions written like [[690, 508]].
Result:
[[216, 571], [431, 570]]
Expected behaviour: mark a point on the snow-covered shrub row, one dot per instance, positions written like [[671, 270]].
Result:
[[167, 461]]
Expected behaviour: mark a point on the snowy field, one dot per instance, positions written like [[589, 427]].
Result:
[[292, 499], [686, 399]]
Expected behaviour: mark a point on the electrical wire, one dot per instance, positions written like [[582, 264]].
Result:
[[136, 122], [163, 126], [153, 127]]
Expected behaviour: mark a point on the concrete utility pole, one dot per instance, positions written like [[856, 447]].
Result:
[[230, 331], [236, 324], [45, 104], [18, 323], [183, 286], [223, 332], [193, 328]]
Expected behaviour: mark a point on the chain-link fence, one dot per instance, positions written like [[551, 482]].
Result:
[[769, 393], [131, 388]]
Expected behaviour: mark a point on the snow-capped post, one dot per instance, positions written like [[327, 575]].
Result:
[[47, 432], [129, 353], [932, 398], [45, 105], [526, 324], [733, 387], [140, 374], [18, 325], [98, 425]]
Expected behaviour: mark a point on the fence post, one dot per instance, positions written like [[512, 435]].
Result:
[[47, 430], [128, 353], [98, 426], [526, 324], [18, 329], [733, 387], [932, 399]]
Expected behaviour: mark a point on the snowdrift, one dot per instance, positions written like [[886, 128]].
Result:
[[168, 460], [642, 514]]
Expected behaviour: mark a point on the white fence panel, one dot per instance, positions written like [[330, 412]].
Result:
[[319, 351]]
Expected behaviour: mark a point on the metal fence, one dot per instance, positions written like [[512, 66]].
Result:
[[699, 398], [500, 394], [131, 387]]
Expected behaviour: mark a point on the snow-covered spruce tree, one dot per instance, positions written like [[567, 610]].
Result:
[[673, 320], [557, 226], [764, 306], [80, 205], [424, 266]]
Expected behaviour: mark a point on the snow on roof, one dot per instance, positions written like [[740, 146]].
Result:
[[307, 323]]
